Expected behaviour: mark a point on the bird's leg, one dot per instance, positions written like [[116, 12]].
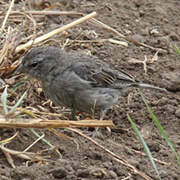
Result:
[[102, 114], [73, 112], [97, 133]]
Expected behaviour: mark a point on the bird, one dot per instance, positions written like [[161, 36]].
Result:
[[78, 81]]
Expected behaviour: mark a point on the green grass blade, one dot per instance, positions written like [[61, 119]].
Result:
[[37, 135], [44, 140], [177, 50], [161, 129], [146, 149], [4, 100], [17, 104]]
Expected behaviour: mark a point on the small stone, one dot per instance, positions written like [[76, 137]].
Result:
[[163, 173], [154, 32], [154, 147], [113, 175], [170, 108], [134, 162], [141, 13], [171, 80], [96, 156], [174, 36], [59, 173], [138, 3], [163, 41], [107, 164], [138, 38], [146, 131], [83, 173], [98, 172], [177, 112]]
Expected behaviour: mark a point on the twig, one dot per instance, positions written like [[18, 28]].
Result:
[[136, 61], [54, 32], [130, 39], [139, 152], [105, 26], [7, 15], [115, 157], [40, 123], [25, 155], [41, 137], [146, 61], [113, 41], [56, 13], [6, 46], [8, 157]]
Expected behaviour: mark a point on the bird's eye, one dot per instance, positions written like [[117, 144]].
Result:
[[33, 65]]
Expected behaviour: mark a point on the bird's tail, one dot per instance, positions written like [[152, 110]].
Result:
[[148, 86]]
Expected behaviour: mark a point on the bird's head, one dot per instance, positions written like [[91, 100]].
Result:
[[38, 61]]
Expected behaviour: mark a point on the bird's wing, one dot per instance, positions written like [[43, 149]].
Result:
[[101, 76]]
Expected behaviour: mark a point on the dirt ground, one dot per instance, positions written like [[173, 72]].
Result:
[[156, 23]]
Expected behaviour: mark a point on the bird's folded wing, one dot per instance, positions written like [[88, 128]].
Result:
[[100, 76]]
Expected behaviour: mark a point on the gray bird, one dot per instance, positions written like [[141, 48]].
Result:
[[77, 81]]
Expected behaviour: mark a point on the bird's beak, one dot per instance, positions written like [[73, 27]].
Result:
[[19, 70]]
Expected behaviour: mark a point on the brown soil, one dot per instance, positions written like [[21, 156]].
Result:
[[156, 23]]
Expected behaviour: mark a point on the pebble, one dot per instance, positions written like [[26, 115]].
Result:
[[177, 112], [170, 108], [83, 173], [172, 80], [113, 175], [174, 36], [138, 38], [59, 173]]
